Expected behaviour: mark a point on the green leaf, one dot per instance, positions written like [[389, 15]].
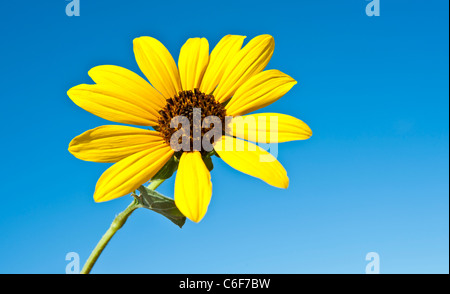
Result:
[[213, 152], [208, 162], [161, 204], [167, 170]]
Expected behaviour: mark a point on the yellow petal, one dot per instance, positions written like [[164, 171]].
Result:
[[249, 61], [192, 62], [114, 103], [112, 143], [259, 91], [129, 81], [128, 174], [193, 187], [269, 128], [158, 66], [221, 56], [252, 160]]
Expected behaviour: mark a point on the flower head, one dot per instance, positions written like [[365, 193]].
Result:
[[229, 82]]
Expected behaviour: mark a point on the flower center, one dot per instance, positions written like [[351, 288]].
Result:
[[194, 106]]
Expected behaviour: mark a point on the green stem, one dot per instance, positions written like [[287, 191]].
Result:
[[118, 222], [155, 184], [115, 226]]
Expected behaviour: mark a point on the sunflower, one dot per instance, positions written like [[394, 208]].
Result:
[[229, 82]]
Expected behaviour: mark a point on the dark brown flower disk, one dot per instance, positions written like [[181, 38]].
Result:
[[183, 104]]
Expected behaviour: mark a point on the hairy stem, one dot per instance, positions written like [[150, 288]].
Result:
[[117, 223]]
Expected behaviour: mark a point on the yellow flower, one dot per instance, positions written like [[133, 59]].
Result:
[[230, 81]]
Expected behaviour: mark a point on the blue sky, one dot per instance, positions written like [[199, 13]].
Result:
[[374, 176]]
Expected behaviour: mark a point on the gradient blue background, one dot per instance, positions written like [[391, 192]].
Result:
[[374, 176]]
